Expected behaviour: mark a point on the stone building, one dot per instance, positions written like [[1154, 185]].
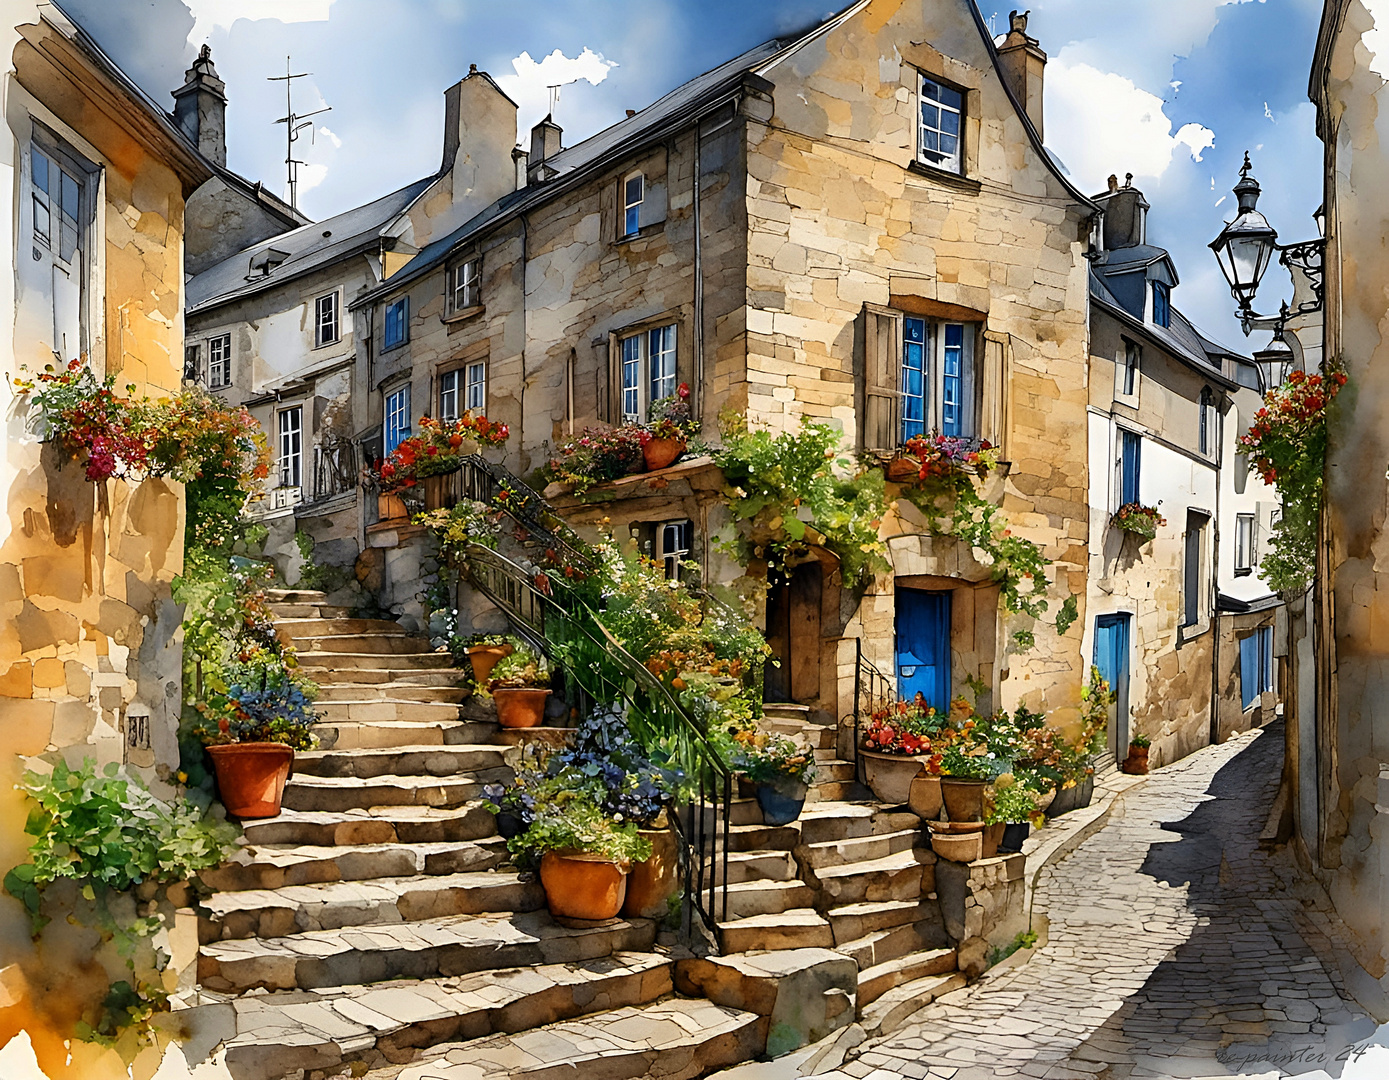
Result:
[[1342, 768], [789, 233], [1180, 624]]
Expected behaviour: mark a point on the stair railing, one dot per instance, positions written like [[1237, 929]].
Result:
[[873, 691], [498, 487], [610, 675]]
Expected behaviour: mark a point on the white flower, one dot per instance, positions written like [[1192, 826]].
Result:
[[982, 557], [1025, 585]]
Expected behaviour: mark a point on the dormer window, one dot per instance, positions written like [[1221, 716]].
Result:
[[633, 195], [465, 285], [1162, 304], [938, 137]]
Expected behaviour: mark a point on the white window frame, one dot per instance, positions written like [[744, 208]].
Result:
[[674, 542], [327, 318], [952, 162], [1129, 371], [192, 362], [403, 304], [290, 440], [939, 354], [395, 417], [219, 368], [450, 394], [640, 384], [1207, 435], [630, 223], [1245, 543], [465, 285], [475, 386], [62, 190]]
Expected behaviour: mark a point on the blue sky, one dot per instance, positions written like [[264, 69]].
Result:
[[1172, 90]]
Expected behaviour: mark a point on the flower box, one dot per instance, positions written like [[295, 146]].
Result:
[[1143, 521]]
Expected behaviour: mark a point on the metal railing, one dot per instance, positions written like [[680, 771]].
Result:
[[599, 672], [873, 691]]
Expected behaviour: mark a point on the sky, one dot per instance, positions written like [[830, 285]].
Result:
[[1173, 91]]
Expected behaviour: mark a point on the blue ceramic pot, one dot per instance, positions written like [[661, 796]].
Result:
[[781, 803]]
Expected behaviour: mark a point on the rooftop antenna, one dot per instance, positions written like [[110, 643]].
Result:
[[554, 97], [293, 127]]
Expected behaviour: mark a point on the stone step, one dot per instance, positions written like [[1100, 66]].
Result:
[[296, 596], [833, 771], [835, 791], [299, 629], [384, 734], [819, 736], [763, 837], [392, 679], [401, 707], [415, 761], [675, 1039], [455, 945], [856, 849], [786, 710], [893, 877], [274, 866], [337, 793], [829, 820], [320, 1032], [392, 662], [752, 866], [383, 825], [295, 909], [375, 644], [851, 921], [877, 980], [747, 898], [880, 946], [309, 611], [896, 1006], [388, 691], [797, 928]]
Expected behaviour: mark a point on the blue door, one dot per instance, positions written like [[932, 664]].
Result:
[[923, 646], [1112, 658]]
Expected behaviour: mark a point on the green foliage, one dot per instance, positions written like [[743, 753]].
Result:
[[568, 820], [1011, 804], [971, 761], [1026, 939], [1141, 741], [763, 757], [1024, 640], [793, 490], [524, 667], [1066, 617]]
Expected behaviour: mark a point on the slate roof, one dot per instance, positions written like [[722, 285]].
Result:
[[1127, 259], [306, 249]]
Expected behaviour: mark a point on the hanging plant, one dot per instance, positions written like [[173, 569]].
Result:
[[1142, 521]]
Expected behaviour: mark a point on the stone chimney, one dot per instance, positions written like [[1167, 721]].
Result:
[[1023, 64], [1125, 214], [200, 108], [545, 143], [479, 133]]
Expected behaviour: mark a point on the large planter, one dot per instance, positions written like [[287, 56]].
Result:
[[891, 775], [990, 840], [781, 802], [903, 470], [484, 658], [1014, 836], [651, 883], [391, 508], [1136, 764], [438, 489], [924, 797], [963, 798], [520, 707], [251, 777], [963, 847], [582, 886], [659, 453], [1072, 798]]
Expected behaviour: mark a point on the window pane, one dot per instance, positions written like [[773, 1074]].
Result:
[[69, 196], [949, 145], [631, 377], [913, 378], [951, 98], [662, 354], [42, 225], [930, 116], [397, 422], [631, 222], [477, 387], [951, 372], [40, 171], [291, 446], [448, 396], [634, 192], [950, 122]]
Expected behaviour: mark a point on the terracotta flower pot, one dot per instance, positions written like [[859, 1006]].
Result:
[[992, 837], [963, 847], [391, 508], [484, 658], [924, 797], [520, 706], [251, 776], [903, 470], [651, 883], [582, 886], [964, 799], [782, 802], [891, 775], [660, 453], [1136, 764]]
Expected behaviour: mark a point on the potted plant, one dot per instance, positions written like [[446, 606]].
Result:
[[519, 687], [1008, 819], [1136, 764], [252, 728], [513, 807], [665, 437], [485, 650], [1076, 785], [967, 768], [1142, 521], [898, 742], [597, 455], [923, 458], [780, 769], [419, 466]]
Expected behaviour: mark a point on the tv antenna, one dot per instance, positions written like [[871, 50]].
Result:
[[554, 96], [293, 127]]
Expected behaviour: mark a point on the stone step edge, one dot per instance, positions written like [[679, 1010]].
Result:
[[875, 981], [896, 1006]]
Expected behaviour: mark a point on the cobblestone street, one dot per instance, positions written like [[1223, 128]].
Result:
[[1176, 948]]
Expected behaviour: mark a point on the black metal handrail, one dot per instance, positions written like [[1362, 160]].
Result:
[[873, 691], [608, 675], [485, 482]]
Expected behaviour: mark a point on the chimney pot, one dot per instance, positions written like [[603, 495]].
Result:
[[546, 142], [631, 113], [472, 69], [1113, 182], [1023, 64], [200, 108]]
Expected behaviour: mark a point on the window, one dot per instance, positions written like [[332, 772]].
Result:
[[633, 194], [1255, 665], [397, 316], [465, 286], [219, 373], [325, 320], [466, 386], [1162, 304], [1128, 374], [448, 395], [1130, 466], [648, 370], [673, 544], [397, 418], [1207, 421], [475, 388], [1191, 568], [57, 206], [1244, 544], [192, 364], [59, 239], [937, 363], [291, 447], [939, 133]]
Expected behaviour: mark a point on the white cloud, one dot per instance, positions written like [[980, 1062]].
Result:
[[330, 136], [1101, 123], [210, 14], [530, 86], [310, 176]]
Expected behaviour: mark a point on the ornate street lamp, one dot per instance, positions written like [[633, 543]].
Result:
[[1274, 361]]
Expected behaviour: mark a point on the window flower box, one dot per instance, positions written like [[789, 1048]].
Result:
[[1142, 521]]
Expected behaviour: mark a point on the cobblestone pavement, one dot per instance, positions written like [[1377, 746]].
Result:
[[1176, 948]]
